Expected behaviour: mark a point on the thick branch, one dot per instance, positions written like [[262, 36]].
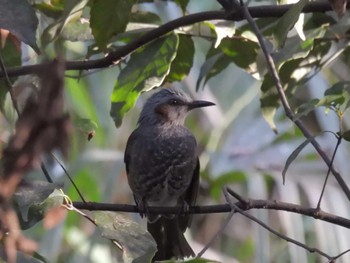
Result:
[[115, 56], [223, 208]]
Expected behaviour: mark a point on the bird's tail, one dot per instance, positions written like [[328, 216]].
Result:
[[171, 242]]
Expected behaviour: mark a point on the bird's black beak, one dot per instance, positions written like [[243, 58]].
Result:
[[199, 104]]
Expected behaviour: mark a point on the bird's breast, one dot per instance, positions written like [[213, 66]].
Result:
[[162, 164]]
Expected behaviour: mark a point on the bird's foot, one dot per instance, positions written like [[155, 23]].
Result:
[[185, 208], [142, 207]]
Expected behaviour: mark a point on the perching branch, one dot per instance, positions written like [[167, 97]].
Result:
[[115, 56], [248, 204]]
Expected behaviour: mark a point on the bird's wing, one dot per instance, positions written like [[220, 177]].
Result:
[[127, 159], [190, 197], [128, 148]]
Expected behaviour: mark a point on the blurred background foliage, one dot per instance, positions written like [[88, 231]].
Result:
[[244, 141]]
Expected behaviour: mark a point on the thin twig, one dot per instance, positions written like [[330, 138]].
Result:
[[328, 172], [288, 239], [341, 254], [69, 177], [217, 234], [235, 195], [68, 204], [46, 173], [287, 109]]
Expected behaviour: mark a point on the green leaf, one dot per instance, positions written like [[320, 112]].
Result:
[[287, 21], [146, 69], [306, 108], [294, 155], [242, 51], [287, 69], [109, 18], [318, 20], [346, 135], [319, 49], [295, 49], [182, 64], [71, 12], [144, 17], [11, 57], [336, 96], [138, 245], [224, 29], [269, 115], [18, 16], [268, 96], [338, 88], [77, 31], [86, 126], [269, 101], [225, 179], [214, 64], [52, 9], [183, 4], [133, 30], [34, 199]]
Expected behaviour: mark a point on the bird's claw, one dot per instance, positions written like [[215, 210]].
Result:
[[185, 208], [142, 207]]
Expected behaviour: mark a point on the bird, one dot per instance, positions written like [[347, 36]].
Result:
[[162, 168]]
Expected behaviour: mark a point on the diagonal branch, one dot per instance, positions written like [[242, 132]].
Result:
[[288, 111], [217, 234], [329, 169]]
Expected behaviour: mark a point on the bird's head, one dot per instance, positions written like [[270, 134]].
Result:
[[169, 105]]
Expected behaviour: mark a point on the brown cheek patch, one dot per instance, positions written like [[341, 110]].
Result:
[[162, 109]]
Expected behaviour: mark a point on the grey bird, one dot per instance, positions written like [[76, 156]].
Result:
[[163, 168]]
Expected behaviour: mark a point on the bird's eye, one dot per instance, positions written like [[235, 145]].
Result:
[[173, 102]]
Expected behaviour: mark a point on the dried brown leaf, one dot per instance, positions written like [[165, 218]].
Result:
[[41, 127]]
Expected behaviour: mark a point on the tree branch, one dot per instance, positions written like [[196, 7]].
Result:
[[235, 208], [223, 208], [114, 56], [284, 101]]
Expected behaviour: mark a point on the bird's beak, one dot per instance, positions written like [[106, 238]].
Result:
[[199, 104]]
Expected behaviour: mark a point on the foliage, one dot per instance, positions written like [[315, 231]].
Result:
[[132, 47]]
